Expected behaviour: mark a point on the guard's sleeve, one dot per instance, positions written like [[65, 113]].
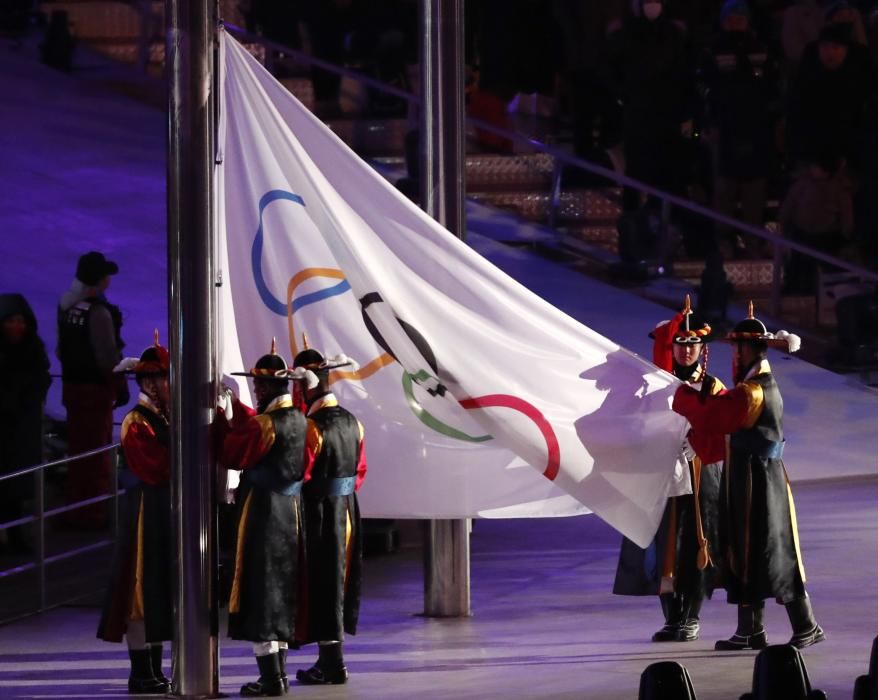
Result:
[[248, 439], [723, 413], [710, 446], [146, 458], [361, 459]]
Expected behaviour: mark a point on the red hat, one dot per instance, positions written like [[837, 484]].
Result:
[[675, 331], [154, 360]]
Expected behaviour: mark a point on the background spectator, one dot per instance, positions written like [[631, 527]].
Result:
[[24, 381], [817, 211], [650, 68], [741, 83], [89, 346], [827, 100], [593, 111], [802, 22]]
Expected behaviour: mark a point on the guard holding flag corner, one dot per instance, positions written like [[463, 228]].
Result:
[[758, 528], [332, 517], [139, 603], [681, 564], [269, 446]]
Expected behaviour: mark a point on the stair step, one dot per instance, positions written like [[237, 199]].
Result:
[[747, 275], [592, 206], [489, 171], [91, 20]]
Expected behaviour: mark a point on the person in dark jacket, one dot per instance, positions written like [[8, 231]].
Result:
[[24, 381], [89, 346], [332, 518], [139, 603], [758, 529], [740, 79], [827, 100], [648, 63], [681, 565], [269, 446]]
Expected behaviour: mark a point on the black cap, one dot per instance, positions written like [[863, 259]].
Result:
[[309, 358], [266, 367], [93, 267]]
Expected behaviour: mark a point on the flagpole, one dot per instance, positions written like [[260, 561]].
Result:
[[191, 35], [446, 552]]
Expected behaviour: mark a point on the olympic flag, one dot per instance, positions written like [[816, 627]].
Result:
[[479, 399]]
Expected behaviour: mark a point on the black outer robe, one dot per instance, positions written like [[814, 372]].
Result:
[[758, 531], [335, 542], [264, 601]]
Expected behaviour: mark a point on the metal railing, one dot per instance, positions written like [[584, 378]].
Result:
[[276, 53], [40, 559]]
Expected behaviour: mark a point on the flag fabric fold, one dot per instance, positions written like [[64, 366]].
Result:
[[478, 397]]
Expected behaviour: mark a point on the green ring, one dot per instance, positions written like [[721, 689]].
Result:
[[427, 418]]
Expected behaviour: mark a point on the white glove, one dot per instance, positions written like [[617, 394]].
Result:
[[233, 479], [224, 404], [687, 451], [300, 374], [126, 365]]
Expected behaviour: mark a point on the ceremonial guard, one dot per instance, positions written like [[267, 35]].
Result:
[[758, 529], [680, 565], [332, 517], [269, 446], [139, 604]]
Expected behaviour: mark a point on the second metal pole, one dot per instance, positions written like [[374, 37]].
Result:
[[446, 554]]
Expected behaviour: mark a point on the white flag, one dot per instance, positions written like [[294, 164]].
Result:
[[463, 377]]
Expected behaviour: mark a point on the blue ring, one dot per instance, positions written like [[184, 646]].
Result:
[[272, 302]]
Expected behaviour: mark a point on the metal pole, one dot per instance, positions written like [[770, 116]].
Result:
[[446, 554], [191, 35], [40, 534]]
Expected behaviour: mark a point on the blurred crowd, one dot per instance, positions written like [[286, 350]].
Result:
[[734, 104]]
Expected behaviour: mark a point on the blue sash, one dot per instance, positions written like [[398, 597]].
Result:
[[341, 486], [756, 445]]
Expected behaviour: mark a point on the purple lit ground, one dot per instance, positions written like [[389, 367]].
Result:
[[84, 169], [545, 625]]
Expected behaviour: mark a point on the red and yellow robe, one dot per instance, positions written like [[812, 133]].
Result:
[[141, 587]]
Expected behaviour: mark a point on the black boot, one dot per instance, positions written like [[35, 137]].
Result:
[[269, 683], [750, 633], [806, 631], [155, 655], [690, 622], [329, 669], [673, 611], [142, 680], [282, 657]]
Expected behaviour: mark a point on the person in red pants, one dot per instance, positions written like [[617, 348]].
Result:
[[89, 346]]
